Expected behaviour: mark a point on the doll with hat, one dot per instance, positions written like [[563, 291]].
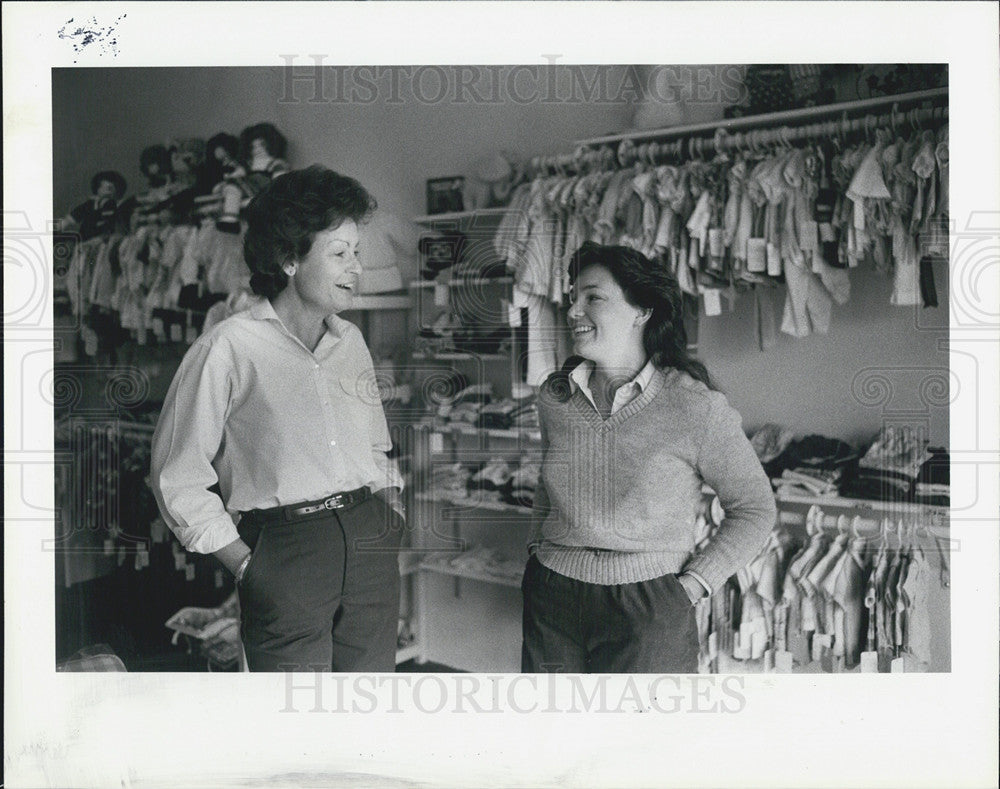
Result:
[[261, 158], [97, 216]]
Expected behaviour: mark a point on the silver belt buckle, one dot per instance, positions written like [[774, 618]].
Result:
[[334, 502]]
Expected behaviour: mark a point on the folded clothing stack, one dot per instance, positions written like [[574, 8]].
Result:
[[811, 466], [499, 481], [808, 481], [933, 484], [889, 469]]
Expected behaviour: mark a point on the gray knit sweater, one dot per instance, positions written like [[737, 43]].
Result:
[[618, 499]]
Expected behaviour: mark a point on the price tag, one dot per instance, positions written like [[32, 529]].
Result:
[[869, 662], [218, 579], [141, 559], [716, 248], [826, 233], [121, 555], [741, 643], [437, 442], [189, 572], [140, 336], [180, 562], [713, 302], [190, 335], [774, 268], [783, 662], [821, 645], [713, 645], [158, 329], [175, 332], [109, 547], [440, 294], [89, 342]]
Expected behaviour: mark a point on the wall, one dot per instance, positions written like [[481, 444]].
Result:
[[103, 118]]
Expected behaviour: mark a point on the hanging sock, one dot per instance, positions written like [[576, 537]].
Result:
[[928, 293], [808, 306], [906, 280], [763, 318]]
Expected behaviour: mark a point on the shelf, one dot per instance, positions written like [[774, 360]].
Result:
[[500, 580], [449, 356], [479, 504], [492, 432], [409, 652], [409, 563], [894, 507], [771, 118], [379, 302], [461, 282], [457, 216]]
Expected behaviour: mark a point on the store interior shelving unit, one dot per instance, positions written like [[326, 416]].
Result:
[[454, 602]]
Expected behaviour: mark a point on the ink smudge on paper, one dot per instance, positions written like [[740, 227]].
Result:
[[84, 33]]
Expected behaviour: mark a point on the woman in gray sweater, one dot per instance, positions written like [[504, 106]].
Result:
[[631, 428]]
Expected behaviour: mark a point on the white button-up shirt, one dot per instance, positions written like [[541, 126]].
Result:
[[273, 423]]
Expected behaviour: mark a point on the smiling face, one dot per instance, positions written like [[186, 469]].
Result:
[[326, 279], [607, 330]]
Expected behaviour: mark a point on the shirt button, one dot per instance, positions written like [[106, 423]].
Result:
[[315, 366], [333, 443]]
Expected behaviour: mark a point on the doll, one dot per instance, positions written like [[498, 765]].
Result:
[[262, 147], [97, 216]]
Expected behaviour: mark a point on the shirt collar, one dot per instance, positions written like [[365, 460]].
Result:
[[580, 376], [263, 310]]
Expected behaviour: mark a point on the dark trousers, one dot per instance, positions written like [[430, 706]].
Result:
[[322, 592], [579, 628]]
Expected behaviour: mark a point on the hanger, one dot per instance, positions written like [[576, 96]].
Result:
[[814, 520]]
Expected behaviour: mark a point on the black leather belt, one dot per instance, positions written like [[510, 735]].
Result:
[[295, 511]]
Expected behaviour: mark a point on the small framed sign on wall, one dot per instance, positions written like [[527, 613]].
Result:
[[444, 195]]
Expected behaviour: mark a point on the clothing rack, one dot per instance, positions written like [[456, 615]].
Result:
[[908, 525], [761, 132]]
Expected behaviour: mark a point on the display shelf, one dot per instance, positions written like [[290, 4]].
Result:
[[500, 580], [458, 216], [493, 432], [409, 652], [379, 301], [461, 282], [455, 356], [467, 501]]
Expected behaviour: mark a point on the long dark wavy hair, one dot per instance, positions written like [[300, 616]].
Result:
[[284, 218], [647, 285]]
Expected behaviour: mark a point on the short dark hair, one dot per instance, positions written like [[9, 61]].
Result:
[[648, 285], [284, 218]]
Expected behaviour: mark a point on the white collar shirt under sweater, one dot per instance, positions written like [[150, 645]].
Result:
[[625, 394], [274, 424], [618, 498]]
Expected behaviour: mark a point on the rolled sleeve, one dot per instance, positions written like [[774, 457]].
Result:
[[187, 438], [728, 464]]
